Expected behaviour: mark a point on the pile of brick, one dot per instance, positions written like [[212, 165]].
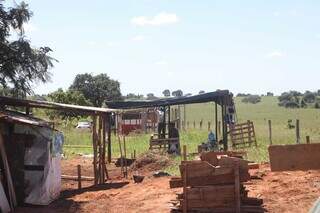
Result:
[[214, 184]]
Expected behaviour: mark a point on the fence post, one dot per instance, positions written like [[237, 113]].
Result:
[[187, 124], [200, 124], [219, 127], [270, 132], [298, 131], [308, 139], [184, 152], [209, 125], [79, 176], [194, 124]]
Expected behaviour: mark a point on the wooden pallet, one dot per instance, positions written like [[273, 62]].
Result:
[[243, 135]]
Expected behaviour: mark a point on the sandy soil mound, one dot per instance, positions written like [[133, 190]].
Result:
[[150, 162]]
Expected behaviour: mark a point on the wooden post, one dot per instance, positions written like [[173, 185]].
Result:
[[185, 198], [100, 149], [184, 117], [179, 118], [94, 143], [216, 120], [121, 156], [308, 139], [270, 132], [134, 154], [187, 124], [200, 124], [298, 131], [219, 128], [184, 152], [209, 125], [109, 137], [237, 187], [79, 176], [125, 156], [194, 124]]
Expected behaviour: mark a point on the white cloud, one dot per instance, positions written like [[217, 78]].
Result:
[[276, 54], [157, 20], [29, 27], [138, 38], [162, 62]]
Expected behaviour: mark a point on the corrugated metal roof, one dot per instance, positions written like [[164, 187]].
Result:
[[52, 105], [15, 117], [219, 96]]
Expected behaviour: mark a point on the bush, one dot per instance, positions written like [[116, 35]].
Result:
[[252, 99], [291, 104]]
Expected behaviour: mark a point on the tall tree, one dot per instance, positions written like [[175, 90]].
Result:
[[166, 93], [150, 96], [21, 66], [66, 97], [177, 93], [97, 89]]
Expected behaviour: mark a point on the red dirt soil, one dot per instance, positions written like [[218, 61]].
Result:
[[281, 191]]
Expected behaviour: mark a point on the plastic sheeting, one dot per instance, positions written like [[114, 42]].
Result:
[[42, 186]]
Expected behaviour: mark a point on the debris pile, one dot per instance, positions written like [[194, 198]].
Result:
[[150, 161], [215, 186]]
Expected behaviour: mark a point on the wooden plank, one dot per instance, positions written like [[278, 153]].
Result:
[[94, 144], [75, 178], [185, 180], [208, 180], [237, 186], [294, 157]]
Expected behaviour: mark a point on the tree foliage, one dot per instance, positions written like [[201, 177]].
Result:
[[20, 64], [252, 99], [97, 89], [177, 93], [66, 97], [151, 96], [132, 96], [166, 93]]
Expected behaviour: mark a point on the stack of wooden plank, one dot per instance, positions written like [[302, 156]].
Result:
[[216, 187]]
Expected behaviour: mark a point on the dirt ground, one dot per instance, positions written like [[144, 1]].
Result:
[[281, 191]]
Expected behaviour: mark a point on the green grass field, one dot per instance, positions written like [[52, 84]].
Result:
[[259, 113]]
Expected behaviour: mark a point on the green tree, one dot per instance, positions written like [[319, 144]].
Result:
[[166, 93], [201, 92], [132, 96], [150, 96], [21, 66], [66, 97], [253, 99], [97, 89], [177, 93], [309, 97]]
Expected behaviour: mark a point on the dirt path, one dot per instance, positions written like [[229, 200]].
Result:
[[285, 192], [281, 191]]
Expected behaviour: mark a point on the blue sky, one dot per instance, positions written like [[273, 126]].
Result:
[[150, 45]]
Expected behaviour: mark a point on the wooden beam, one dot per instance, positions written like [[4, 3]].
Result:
[[109, 137], [216, 120], [237, 187], [94, 144]]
